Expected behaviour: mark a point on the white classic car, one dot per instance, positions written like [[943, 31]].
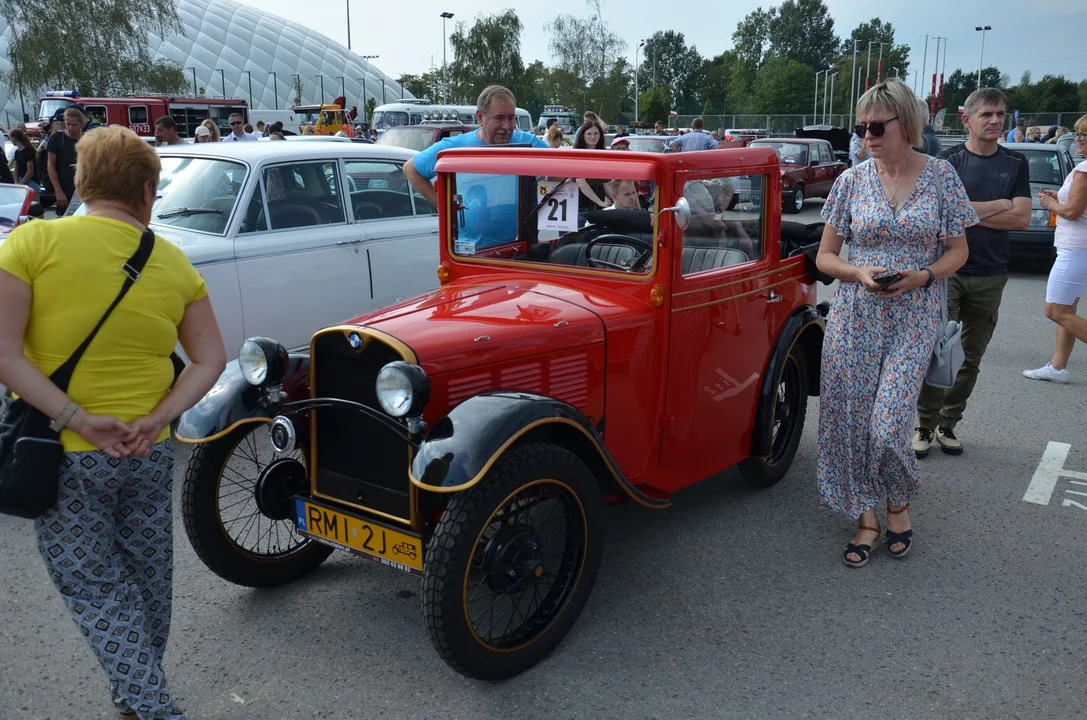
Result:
[[290, 237]]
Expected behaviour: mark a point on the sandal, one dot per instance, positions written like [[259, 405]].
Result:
[[861, 551], [895, 538]]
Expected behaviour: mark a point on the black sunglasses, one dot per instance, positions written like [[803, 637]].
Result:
[[876, 128], [239, 122]]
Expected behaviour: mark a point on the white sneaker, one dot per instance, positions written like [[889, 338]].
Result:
[[1048, 372]]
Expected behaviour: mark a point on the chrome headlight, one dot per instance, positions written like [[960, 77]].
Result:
[[402, 389], [263, 361], [1039, 218]]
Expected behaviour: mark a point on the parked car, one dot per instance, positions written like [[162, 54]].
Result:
[[17, 206], [471, 434], [808, 169], [282, 249], [420, 137], [1049, 164], [1068, 143]]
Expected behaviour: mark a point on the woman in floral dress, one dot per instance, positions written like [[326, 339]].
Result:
[[901, 212]]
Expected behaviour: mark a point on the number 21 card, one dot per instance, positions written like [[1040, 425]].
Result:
[[559, 212]]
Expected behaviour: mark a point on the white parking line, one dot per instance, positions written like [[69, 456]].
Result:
[[1050, 468]]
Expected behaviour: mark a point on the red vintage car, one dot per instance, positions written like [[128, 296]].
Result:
[[566, 359]]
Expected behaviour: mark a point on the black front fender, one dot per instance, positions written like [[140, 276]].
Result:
[[232, 401], [461, 447]]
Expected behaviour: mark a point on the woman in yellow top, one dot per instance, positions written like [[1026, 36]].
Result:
[[108, 543]]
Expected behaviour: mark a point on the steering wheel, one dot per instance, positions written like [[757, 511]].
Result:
[[617, 239]]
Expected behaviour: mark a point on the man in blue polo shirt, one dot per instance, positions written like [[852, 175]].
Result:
[[490, 212]]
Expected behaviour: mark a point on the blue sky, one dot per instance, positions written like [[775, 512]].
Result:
[[407, 35]]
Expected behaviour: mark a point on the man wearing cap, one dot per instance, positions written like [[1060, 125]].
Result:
[[696, 139], [1050, 135]]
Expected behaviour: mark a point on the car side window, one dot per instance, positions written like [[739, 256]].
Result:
[[377, 190], [302, 195], [825, 155], [256, 217], [726, 223]]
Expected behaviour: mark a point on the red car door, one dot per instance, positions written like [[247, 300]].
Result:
[[720, 329]]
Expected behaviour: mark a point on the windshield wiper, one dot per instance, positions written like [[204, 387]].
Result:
[[174, 212]]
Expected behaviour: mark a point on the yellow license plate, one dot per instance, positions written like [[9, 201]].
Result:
[[370, 539]]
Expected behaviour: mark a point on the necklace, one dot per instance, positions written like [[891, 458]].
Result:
[[893, 199]]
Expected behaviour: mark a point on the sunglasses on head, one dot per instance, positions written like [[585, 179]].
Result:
[[876, 128]]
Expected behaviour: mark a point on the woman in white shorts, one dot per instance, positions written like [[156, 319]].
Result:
[[1068, 278]]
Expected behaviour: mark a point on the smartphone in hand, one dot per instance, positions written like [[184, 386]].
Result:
[[887, 279]]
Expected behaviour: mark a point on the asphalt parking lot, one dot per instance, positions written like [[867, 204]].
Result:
[[732, 604]]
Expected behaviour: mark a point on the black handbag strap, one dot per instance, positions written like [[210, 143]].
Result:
[[132, 269]]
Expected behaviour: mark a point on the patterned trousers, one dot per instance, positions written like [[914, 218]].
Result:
[[108, 547]]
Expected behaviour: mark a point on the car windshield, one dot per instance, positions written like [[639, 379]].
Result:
[[653, 145], [1045, 167], [12, 198], [386, 119], [549, 222], [787, 152], [51, 105], [414, 137], [198, 193]]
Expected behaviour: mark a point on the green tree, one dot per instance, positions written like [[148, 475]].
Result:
[[586, 48], [487, 52], [782, 87], [670, 62], [95, 46], [655, 104], [803, 30], [1053, 93], [369, 107], [715, 77], [298, 89], [751, 39], [876, 31], [961, 83], [1082, 94], [414, 84]]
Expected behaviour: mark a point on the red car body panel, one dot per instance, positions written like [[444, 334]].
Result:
[[674, 389]]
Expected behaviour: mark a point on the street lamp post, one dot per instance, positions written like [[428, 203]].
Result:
[[853, 84], [321, 100], [275, 91], [365, 76], [347, 4], [249, 75], [445, 70], [982, 30], [826, 86], [222, 76], [195, 92], [636, 49], [831, 115], [815, 102]]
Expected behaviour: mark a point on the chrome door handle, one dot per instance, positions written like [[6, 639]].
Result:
[[775, 298], [349, 242]]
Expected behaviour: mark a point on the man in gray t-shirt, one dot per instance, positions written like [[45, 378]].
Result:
[[997, 181], [858, 153]]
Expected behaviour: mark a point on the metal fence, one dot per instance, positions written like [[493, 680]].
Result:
[[787, 124]]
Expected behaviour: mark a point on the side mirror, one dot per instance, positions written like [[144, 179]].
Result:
[[682, 209]]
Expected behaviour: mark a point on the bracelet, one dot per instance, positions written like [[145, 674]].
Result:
[[65, 416], [931, 277]]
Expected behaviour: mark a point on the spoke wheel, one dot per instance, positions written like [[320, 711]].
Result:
[[790, 405], [239, 509], [512, 562]]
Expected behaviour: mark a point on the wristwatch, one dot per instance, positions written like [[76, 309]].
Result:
[[65, 415], [931, 277]]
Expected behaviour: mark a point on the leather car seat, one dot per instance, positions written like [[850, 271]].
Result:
[[701, 259], [293, 214]]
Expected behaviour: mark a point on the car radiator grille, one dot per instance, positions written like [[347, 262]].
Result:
[[358, 461]]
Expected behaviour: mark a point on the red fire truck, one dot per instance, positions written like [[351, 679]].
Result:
[[139, 112]]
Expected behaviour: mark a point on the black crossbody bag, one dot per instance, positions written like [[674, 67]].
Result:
[[30, 451]]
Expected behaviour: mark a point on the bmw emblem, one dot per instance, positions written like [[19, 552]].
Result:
[[354, 340]]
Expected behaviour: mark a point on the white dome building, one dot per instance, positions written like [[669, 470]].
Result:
[[230, 48]]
